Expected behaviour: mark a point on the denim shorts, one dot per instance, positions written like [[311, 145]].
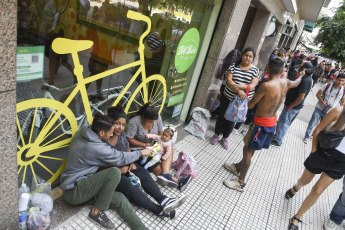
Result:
[[259, 137], [331, 162]]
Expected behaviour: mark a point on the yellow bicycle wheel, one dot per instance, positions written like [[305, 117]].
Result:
[[156, 94], [41, 141]]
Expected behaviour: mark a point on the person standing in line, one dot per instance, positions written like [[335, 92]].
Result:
[[293, 104], [318, 72], [239, 77], [330, 95], [294, 66], [268, 99]]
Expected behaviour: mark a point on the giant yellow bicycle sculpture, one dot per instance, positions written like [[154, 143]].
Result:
[[36, 144]]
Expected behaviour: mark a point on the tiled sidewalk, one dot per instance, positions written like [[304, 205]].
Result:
[[211, 205]]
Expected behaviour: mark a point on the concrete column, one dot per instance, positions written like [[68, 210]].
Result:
[[226, 33], [268, 45], [8, 150], [256, 34]]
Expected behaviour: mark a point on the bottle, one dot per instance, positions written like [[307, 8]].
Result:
[[23, 206], [23, 189]]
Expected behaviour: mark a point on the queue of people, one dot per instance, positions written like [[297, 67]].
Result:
[[109, 168]]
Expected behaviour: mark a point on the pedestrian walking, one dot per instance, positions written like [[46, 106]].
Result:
[[330, 95], [325, 159]]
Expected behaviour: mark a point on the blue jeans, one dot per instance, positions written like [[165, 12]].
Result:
[[338, 212], [315, 118], [283, 124]]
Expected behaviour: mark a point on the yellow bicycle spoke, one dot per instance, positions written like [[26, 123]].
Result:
[[33, 173], [56, 138], [158, 100], [152, 90], [19, 147], [33, 125], [156, 95], [138, 102], [48, 119], [57, 145], [142, 96], [133, 112], [56, 128], [43, 166], [24, 174], [20, 169], [52, 158], [20, 131]]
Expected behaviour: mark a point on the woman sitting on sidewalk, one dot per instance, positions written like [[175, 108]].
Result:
[[166, 206], [148, 121], [329, 163]]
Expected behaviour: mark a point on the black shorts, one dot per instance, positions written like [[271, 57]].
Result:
[[331, 162]]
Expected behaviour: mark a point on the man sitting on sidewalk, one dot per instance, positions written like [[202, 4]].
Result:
[[268, 98], [293, 104], [81, 183], [330, 95]]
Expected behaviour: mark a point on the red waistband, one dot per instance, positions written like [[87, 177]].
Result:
[[265, 121]]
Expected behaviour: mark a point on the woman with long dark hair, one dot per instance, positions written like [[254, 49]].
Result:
[[165, 206], [148, 121], [330, 163], [239, 77]]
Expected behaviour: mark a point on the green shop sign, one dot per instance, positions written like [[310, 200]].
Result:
[[187, 50], [175, 99], [30, 63]]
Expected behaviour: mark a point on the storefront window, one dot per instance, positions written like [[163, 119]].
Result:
[[114, 70]]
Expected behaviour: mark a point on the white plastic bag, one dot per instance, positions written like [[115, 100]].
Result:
[[43, 201], [199, 123]]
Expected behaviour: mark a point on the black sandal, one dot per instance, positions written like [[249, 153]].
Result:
[[289, 194], [291, 225]]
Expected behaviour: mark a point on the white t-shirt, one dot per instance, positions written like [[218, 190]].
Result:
[[332, 96]]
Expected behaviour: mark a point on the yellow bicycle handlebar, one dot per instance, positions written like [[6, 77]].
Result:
[[140, 17]]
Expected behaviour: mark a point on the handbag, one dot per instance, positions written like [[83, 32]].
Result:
[[330, 140], [185, 165], [237, 109]]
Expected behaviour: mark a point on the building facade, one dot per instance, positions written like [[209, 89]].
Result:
[[44, 99]]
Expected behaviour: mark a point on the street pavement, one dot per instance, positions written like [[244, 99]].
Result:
[[211, 205]]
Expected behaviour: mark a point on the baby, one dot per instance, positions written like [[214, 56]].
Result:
[[161, 149]]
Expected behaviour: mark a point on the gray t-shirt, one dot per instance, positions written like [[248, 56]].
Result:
[[122, 143], [332, 96], [135, 130]]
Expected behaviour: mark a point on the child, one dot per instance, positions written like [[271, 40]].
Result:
[[162, 149]]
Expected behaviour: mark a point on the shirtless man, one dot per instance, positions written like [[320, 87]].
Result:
[[268, 99]]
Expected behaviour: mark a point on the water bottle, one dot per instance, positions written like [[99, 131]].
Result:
[[23, 206], [22, 220], [23, 189]]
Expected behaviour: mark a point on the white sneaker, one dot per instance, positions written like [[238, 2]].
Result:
[[231, 168], [233, 184], [235, 131], [330, 225]]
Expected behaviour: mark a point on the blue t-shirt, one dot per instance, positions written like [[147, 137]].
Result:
[[303, 87]]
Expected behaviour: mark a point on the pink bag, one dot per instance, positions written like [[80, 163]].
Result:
[[185, 165]]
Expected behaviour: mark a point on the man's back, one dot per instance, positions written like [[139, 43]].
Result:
[[274, 93], [304, 87]]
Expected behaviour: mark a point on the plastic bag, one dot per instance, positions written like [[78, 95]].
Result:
[[43, 201], [199, 123], [237, 110], [37, 220], [41, 186]]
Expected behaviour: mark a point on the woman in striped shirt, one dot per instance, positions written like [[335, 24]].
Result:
[[238, 78]]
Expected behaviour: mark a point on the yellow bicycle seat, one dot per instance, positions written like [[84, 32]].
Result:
[[66, 46]]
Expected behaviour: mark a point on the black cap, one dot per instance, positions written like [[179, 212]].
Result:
[[302, 56]]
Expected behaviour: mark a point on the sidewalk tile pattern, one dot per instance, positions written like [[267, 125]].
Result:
[[211, 205]]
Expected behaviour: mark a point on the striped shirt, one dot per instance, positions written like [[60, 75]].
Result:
[[154, 44], [240, 76]]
